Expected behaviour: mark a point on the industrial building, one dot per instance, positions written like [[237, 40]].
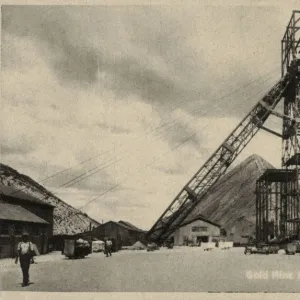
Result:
[[14, 219], [122, 233], [197, 230], [241, 233], [19, 212]]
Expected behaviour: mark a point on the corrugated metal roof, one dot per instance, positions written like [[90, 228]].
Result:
[[15, 193], [130, 226], [18, 213], [121, 225], [202, 218]]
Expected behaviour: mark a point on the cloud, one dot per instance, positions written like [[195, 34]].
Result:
[[61, 126], [114, 129], [127, 86], [17, 149], [135, 50], [78, 57]]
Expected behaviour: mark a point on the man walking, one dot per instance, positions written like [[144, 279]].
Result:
[[108, 246], [24, 254]]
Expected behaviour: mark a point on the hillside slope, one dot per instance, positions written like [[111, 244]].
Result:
[[232, 199], [67, 219]]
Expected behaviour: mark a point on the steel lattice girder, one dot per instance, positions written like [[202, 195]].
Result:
[[290, 43], [216, 165]]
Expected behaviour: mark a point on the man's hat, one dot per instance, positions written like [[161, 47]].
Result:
[[25, 233]]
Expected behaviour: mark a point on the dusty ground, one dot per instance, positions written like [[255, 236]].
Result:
[[181, 269]]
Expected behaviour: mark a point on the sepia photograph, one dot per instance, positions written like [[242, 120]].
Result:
[[150, 147]]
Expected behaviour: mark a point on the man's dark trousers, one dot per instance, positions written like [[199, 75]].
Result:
[[25, 264], [108, 251]]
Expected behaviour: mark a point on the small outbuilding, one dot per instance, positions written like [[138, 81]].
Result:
[[198, 230], [122, 234]]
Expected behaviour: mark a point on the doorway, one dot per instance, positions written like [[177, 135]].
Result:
[[202, 239]]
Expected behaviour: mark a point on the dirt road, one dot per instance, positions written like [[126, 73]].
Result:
[[178, 270]]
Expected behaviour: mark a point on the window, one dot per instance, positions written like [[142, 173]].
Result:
[[199, 228], [223, 232], [4, 229]]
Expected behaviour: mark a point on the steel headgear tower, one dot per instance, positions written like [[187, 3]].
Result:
[[290, 63], [288, 88]]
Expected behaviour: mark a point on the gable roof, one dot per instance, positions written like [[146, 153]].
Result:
[[12, 192], [131, 226], [122, 225], [202, 218], [11, 212]]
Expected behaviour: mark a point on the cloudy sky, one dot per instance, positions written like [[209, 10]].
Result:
[[132, 99]]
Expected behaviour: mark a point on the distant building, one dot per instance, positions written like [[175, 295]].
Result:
[[197, 230], [122, 233], [38, 217]]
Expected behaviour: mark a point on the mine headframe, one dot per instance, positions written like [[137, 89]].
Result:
[[183, 206], [277, 190]]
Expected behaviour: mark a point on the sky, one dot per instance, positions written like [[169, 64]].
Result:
[[132, 100]]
